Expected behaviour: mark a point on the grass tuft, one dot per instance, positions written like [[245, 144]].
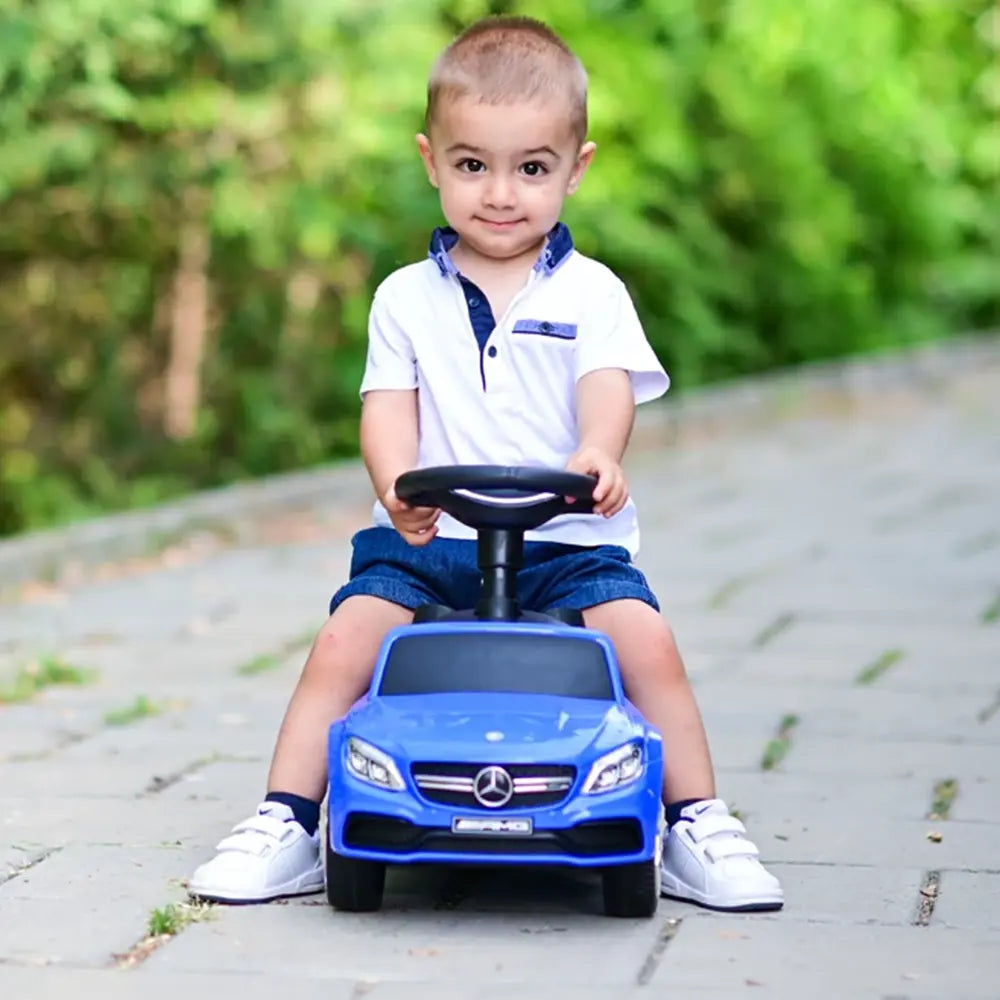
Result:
[[945, 792], [875, 669], [166, 921], [779, 625], [45, 672], [777, 749], [259, 665], [727, 591], [270, 661], [141, 708], [991, 613]]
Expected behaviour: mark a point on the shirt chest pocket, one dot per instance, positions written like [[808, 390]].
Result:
[[545, 328], [543, 354]]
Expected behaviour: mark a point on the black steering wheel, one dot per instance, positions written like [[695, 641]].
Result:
[[498, 496]]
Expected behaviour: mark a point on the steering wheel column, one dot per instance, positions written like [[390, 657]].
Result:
[[501, 556]]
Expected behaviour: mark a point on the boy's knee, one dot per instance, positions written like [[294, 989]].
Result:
[[667, 661], [329, 653], [330, 639], [348, 642], [630, 621], [642, 637]]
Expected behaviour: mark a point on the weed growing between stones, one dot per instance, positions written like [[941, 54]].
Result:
[[877, 667], [269, 661], [776, 749], [944, 796], [775, 628], [164, 923], [45, 672], [141, 708], [991, 613], [259, 665], [169, 920], [727, 591], [979, 543], [987, 713]]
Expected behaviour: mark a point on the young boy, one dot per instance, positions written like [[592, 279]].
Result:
[[505, 347]]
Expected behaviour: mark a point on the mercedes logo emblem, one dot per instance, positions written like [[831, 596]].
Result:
[[493, 787]]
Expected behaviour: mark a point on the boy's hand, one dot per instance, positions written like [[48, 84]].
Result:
[[611, 491], [417, 525]]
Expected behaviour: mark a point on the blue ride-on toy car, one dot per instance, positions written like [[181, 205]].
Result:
[[493, 735]]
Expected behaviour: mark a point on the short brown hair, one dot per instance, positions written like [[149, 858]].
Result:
[[501, 59]]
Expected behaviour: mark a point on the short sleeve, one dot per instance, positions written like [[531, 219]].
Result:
[[391, 363], [613, 338]]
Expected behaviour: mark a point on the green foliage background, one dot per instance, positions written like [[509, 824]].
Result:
[[776, 180]]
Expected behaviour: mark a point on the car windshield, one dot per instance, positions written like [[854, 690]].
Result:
[[515, 662]]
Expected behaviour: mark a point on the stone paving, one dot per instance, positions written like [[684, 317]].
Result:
[[833, 573]]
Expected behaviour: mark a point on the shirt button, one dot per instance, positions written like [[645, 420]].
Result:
[[473, 302], [545, 327], [492, 352]]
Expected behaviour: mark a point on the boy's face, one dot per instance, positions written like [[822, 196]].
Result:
[[503, 171]]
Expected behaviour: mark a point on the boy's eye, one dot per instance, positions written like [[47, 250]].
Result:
[[471, 166], [534, 169]]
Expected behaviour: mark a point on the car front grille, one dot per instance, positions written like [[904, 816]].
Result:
[[534, 784], [368, 831]]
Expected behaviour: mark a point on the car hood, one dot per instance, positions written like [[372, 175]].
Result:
[[493, 727]]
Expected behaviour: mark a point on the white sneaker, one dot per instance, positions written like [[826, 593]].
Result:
[[265, 857], [707, 859]]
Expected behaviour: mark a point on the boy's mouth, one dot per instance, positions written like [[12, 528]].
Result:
[[500, 225]]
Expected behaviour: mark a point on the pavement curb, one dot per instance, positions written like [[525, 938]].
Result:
[[233, 512], [914, 371]]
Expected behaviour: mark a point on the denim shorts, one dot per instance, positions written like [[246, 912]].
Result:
[[445, 571]]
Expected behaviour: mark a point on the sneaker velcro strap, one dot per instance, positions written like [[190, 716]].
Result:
[[268, 825], [731, 847], [241, 842], [252, 834], [711, 824]]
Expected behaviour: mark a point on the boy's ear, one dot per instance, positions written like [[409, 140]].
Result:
[[424, 145], [583, 159]]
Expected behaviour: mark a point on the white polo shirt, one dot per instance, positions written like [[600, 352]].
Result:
[[504, 392]]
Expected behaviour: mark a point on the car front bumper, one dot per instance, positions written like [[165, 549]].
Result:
[[583, 831]]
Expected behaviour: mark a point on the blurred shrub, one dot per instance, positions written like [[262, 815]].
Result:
[[776, 180], [792, 179]]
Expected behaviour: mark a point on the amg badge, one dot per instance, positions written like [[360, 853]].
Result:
[[493, 825]]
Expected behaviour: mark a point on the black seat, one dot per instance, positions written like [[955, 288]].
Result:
[[431, 613], [440, 613], [568, 616]]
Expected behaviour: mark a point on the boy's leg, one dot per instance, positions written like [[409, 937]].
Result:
[[657, 683], [337, 672], [276, 852], [707, 857]]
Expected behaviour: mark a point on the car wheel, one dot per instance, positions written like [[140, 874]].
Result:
[[632, 890], [353, 884]]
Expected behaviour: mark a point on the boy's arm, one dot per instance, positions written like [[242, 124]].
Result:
[[605, 413], [388, 435], [616, 368], [389, 442]]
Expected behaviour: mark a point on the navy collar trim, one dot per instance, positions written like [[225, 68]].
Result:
[[558, 247]]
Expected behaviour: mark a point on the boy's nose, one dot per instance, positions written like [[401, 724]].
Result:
[[499, 192]]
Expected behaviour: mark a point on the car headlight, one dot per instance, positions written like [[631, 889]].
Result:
[[614, 770], [373, 765]]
